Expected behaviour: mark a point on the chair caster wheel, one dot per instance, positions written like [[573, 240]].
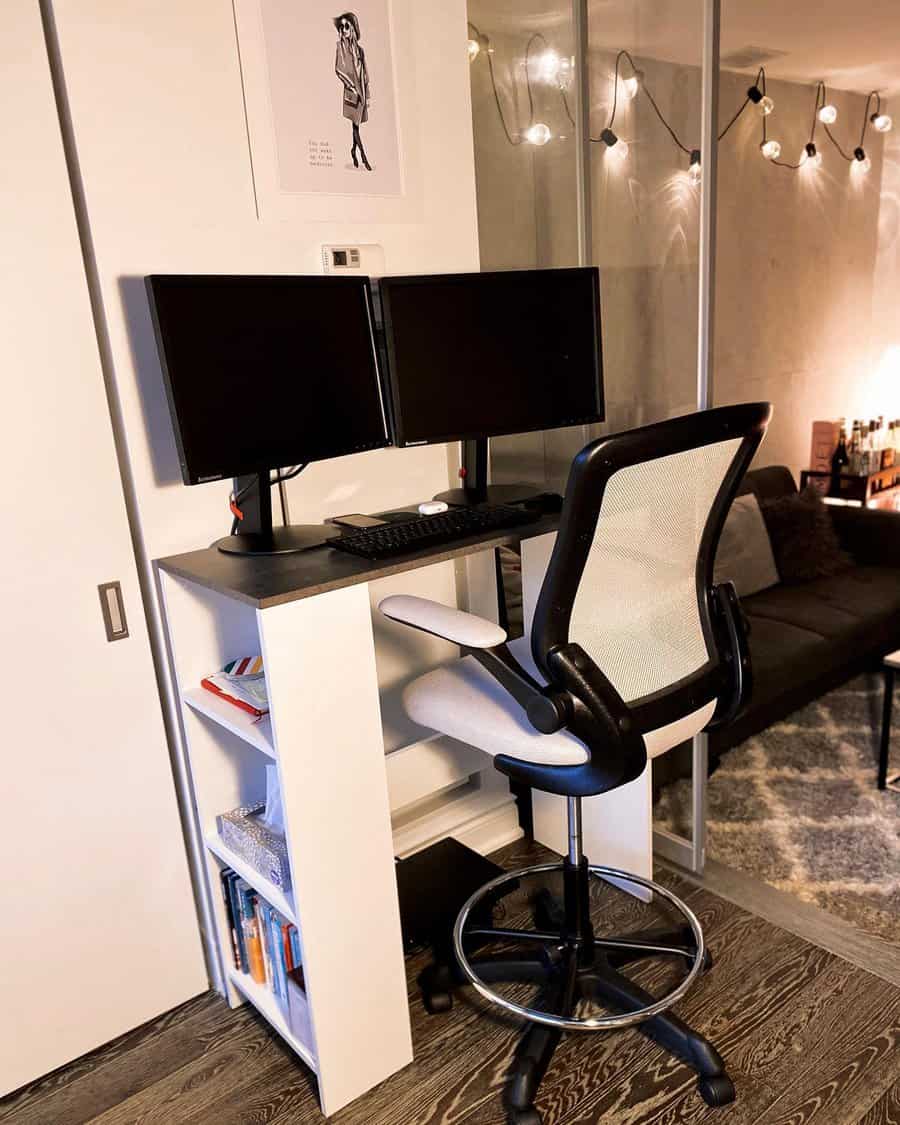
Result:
[[528, 1116], [437, 1003], [547, 911], [717, 1090], [708, 961], [434, 984]]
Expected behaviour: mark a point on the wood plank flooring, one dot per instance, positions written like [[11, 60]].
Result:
[[808, 1038]]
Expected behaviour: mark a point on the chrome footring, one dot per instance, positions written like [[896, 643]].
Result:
[[588, 1023]]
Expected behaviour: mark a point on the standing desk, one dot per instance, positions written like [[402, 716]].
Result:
[[310, 616]]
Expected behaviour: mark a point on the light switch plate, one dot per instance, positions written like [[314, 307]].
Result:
[[365, 259]]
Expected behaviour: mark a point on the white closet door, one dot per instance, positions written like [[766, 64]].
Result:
[[98, 930]]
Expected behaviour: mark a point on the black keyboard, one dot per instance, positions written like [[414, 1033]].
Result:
[[431, 531]]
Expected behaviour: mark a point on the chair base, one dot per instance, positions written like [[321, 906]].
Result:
[[571, 965]]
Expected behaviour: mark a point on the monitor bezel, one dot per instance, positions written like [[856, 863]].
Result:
[[188, 472], [401, 440]]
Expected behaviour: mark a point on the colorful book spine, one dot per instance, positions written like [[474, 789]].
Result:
[[295, 947], [243, 962], [250, 927], [278, 951], [262, 925], [224, 875]]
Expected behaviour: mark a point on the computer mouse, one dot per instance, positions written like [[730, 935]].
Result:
[[432, 507]]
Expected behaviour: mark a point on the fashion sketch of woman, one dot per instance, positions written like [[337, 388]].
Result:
[[350, 67]]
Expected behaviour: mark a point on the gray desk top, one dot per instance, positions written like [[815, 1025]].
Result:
[[270, 580]]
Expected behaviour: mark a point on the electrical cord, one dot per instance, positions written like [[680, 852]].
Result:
[[837, 144], [671, 131], [234, 499]]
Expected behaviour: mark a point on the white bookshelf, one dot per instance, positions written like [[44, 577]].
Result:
[[324, 735]]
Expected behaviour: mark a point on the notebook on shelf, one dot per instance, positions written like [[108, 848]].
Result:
[[242, 683]]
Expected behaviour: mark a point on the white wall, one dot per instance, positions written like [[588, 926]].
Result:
[[158, 117], [795, 269]]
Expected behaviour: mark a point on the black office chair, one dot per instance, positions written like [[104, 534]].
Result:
[[634, 650]]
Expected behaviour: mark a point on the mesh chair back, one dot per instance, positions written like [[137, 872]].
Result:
[[630, 578]]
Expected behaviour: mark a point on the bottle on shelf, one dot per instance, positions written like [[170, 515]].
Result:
[[839, 461], [854, 451]]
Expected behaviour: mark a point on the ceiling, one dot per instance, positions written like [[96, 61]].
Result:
[[851, 47]]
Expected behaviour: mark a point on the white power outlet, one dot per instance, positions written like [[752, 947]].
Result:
[[363, 258]]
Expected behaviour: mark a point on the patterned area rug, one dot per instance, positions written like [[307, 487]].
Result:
[[797, 806]]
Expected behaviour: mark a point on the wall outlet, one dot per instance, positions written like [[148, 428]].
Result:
[[363, 258]]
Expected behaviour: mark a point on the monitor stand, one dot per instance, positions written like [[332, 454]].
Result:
[[476, 490], [257, 535]]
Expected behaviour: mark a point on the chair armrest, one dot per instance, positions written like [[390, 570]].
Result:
[[485, 642], [454, 625], [871, 535]]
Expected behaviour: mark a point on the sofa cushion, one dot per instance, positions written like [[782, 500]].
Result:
[[744, 555], [804, 541], [781, 652], [769, 483], [859, 606]]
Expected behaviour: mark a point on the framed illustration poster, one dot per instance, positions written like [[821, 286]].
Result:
[[321, 99]]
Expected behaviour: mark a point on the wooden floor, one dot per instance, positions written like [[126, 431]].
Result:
[[808, 1037]]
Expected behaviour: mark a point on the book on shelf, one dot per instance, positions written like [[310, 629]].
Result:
[[265, 945], [242, 683]]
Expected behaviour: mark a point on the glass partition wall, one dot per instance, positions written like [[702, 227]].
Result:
[[590, 149], [642, 61]]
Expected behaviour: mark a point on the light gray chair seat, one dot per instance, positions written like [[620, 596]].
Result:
[[466, 702]]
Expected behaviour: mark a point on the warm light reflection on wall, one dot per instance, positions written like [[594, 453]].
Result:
[[880, 393]]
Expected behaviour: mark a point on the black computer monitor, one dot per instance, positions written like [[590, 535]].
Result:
[[267, 372], [474, 355]]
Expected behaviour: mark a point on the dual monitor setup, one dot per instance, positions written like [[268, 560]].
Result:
[[267, 372]]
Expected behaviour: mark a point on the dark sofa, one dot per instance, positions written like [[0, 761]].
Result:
[[807, 639]]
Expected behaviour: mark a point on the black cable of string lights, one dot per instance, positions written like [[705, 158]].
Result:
[[756, 94]]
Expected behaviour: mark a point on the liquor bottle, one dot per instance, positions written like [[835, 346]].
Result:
[[854, 452], [839, 462]]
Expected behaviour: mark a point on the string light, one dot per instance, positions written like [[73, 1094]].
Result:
[[825, 113], [631, 86], [473, 48], [811, 156], [538, 134], [614, 144], [761, 100], [548, 66]]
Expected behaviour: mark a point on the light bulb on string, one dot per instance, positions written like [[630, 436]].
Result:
[[762, 101], [614, 144], [631, 86], [862, 162], [771, 150], [696, 169], [548, 65], [473, 48], [811, 157], [882, 122], [828, 114], [538, 134]]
